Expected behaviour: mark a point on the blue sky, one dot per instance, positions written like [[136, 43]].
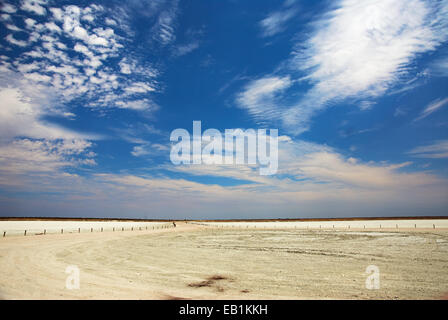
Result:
[[91, 90]]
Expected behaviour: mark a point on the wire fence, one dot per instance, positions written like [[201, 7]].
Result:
[[328, 225], [71, 230]]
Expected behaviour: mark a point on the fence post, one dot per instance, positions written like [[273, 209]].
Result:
[[45, 231], [433, 226], [91, 229], [4, 234], [79, 230], [62, 231], [24, 233], [101, 229]]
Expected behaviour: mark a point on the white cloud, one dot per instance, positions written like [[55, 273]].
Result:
[[88, 17], [139, 151], [57, 13], [439, 67], [332, 167], [361, 49], [149, 149], [10, 38], [27, 156], [20, 116], [8, 8], [258, 96], [93, 73], [366, 105], [53, 27], [125, 67], [13, 27], [437, 150], [275, 21], [186, 48], [142, 104], [164, 29], [37, 77], [139, 87], [30, 22], [111, 22], [432, 107], [358, 50], [34, 6]]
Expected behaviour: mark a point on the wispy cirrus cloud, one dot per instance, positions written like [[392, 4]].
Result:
[[439, 67], [358, 50], [184, 49], [275, 22], [436, 150], [431, 108], [259, 96]]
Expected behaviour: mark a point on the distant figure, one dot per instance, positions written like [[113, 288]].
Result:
[[174, 224]]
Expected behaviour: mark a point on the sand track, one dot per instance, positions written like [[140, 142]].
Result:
[[196, 262]]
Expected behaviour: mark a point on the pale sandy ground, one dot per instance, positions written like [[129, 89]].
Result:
[[253, 264]]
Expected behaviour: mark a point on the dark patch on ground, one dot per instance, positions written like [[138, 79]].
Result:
[[168, 297], [209, 282]]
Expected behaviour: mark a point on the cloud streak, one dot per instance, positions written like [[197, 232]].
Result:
[[437, 150], [358, 50], [431, 108]]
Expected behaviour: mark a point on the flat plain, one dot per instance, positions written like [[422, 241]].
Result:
[[275, 261]]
